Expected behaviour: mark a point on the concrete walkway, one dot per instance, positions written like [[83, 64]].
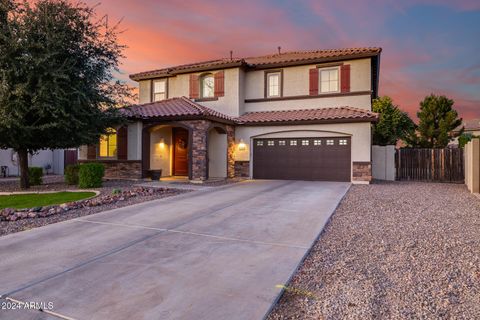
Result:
[[215, 254]]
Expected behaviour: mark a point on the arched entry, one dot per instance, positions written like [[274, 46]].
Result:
[[217, 152]]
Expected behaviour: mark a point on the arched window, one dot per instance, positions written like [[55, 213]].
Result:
[[108, 144], [207, 86]]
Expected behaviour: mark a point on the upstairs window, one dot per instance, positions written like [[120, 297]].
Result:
[[273, 84], [108, 144], [159, 90], [329, 80], [207, 86]]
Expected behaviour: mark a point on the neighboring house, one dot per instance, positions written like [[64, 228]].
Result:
[[52, 159], [471, 126], [297, 115]]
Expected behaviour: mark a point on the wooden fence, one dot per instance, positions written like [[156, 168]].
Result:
[[443, 165]]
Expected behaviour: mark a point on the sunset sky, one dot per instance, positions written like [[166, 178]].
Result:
[[429, 46]]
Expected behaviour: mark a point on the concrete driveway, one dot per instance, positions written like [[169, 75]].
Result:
[[204, 255]]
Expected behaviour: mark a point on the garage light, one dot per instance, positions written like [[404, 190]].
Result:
[[241, 145]]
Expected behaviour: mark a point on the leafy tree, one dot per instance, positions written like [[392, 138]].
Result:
[[437, 120], [465, 138], [56, 77], [393, 124]]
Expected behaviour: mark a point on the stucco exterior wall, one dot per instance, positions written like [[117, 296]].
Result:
[[229, 104], [296, 79], [360, 133], [362, 102], [160, 154], [217, 154], [40, 159], [135, 140]]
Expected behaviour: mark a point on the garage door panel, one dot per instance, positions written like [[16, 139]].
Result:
[[302, 159]]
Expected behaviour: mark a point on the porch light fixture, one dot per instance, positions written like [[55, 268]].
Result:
[[241, 145], [161, 144]]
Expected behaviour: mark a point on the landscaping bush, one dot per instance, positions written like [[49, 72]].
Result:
[[35, 175], [90, 175], [71, 174]]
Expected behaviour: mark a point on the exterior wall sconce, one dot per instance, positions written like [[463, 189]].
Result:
[[241, 145], [161, 143]]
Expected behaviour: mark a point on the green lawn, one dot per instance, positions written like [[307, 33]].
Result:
[[30, 200]]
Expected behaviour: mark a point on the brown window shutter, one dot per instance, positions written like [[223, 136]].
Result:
[[345, 78], [122, 143], [313, 82], [194, 87], [91, 152], [219, 84]]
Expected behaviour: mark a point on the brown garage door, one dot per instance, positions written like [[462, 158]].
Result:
[[326, 159]]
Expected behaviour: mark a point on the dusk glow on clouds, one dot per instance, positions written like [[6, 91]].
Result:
[[429, 46]]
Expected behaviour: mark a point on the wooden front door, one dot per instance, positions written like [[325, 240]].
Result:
[[180, 152]]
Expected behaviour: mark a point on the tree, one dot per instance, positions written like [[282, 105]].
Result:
[[437, 119], [465, 138], [393, 124], [56, 77]]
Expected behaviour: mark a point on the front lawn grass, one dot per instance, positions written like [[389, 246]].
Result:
[[31, 200]]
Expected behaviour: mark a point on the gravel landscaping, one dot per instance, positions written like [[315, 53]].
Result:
[[397, 250], [113, 194]]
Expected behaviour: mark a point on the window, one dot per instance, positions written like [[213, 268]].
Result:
[[271, 143], [305, 143], [260, 143], [159, 90], [108, 144], [293, 142], [329, 81], [273, 84], [317, 142], [342, 142], [207, 86], [330, 142], [281, 142]]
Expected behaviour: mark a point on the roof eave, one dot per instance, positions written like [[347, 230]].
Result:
[[160, 74], [295, 122], [312, 61]]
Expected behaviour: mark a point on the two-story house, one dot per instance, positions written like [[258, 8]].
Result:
[[303, 115]]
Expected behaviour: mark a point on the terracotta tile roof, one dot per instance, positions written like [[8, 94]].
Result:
[[286, 58], [340, 114], [178, 108], [173, 108], [470, 125]]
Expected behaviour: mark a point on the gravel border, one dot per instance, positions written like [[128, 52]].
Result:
[[400, 250], [56, 184]]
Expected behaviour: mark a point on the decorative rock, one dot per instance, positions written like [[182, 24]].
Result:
[[32, 215]]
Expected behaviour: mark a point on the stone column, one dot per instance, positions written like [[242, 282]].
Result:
[[199, 148], [362, 172], [230, 151]]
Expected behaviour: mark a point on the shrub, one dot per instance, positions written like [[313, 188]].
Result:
[[71, 174], [35, 175], [90, 175]]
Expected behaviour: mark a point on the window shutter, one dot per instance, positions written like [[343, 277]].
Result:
[[314, 82], [122, 143], [91, 152], [345, 78], [194, 86], [219, 86]]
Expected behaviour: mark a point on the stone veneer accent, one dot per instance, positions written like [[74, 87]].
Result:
[[198, 147], [362, 171], [120, 169], [242, 169], [230, 151]]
